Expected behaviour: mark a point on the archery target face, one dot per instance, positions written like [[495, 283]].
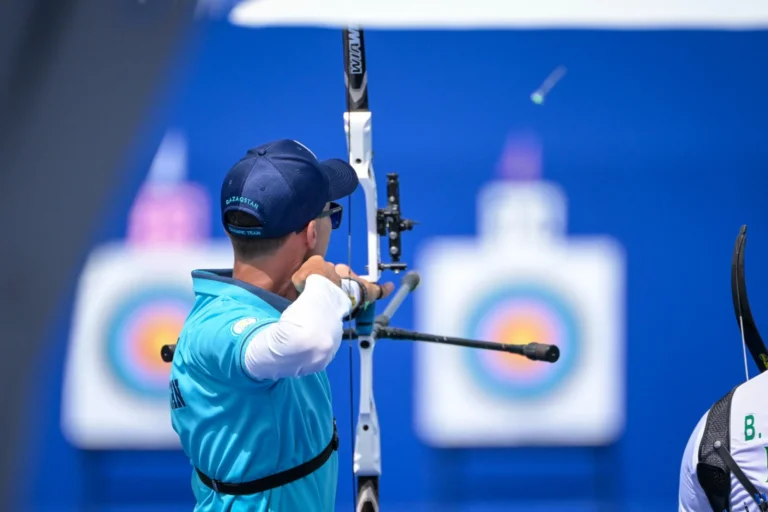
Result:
[[131, 300], [140, 324], [519, 285], [522, 314]]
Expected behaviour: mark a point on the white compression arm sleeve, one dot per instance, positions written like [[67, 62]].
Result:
[[305, 339]]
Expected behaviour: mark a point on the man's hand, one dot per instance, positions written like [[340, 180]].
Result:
[[315, 265], [374, 290]]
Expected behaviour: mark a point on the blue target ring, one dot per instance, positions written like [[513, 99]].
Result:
[[515, 314], [139, 326]]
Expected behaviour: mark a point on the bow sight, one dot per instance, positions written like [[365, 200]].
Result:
[[390, 224]]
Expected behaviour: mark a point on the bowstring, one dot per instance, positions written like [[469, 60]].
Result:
[[350, 341], [743, 344]]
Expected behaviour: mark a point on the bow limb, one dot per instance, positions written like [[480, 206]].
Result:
[[750, 336], [357, 124]]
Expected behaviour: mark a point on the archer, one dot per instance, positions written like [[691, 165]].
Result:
[[250, 398], [726, 459]]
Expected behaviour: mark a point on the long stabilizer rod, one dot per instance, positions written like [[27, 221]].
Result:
[[533, 351]]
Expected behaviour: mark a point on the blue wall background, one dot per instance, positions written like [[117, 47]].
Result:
[[658, 138]]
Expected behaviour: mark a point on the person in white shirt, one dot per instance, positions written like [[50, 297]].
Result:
[[725, 463]]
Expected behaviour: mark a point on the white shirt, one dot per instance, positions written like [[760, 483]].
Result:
[[308, 334], [691, 497], [749, 439]]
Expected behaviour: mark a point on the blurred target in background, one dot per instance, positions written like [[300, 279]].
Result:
[[520, 313], [140, 324], [522, 279], [131, 301]]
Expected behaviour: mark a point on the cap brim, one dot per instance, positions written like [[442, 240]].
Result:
[[342, 178]]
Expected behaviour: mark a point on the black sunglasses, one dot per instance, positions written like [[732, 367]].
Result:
[[334, 212]]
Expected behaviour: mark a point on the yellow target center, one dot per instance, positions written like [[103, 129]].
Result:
[[520, 331], [152, 338]]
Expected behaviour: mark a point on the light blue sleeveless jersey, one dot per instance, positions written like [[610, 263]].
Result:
[[234, 428]]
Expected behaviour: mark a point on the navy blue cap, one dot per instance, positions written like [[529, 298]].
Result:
[[284, 186]]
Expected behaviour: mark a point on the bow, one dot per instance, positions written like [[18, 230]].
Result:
[[385, 222], [750, 336]]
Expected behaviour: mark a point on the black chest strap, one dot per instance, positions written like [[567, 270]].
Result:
[[278, 479], [713, 473]]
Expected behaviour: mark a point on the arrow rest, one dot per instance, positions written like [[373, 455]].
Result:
[[390, 224]]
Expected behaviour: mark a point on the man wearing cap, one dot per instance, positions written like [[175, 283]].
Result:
[[250, 398]]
